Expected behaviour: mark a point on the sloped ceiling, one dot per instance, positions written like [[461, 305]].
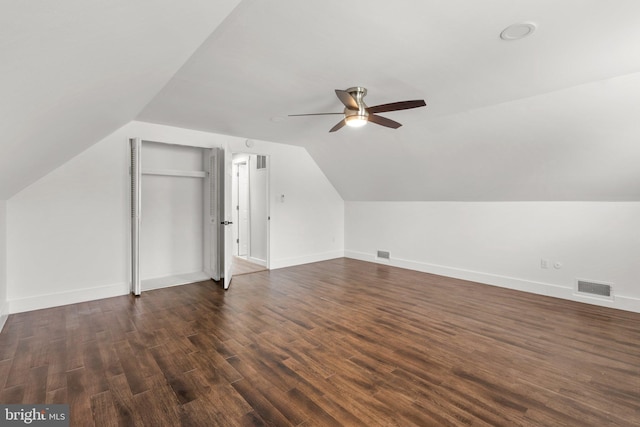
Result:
[[73, 71], [553, 116]]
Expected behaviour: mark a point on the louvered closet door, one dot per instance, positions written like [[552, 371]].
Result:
[[211, 215], [136, 197]]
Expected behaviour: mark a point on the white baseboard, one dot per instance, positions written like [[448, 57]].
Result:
[[258, 261], [540, 288], [4, 314], [68, 297], [90, 294], [290, 262], [173, 280]]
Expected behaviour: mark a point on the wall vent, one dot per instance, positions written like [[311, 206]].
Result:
[[383, 254], [261, 162], [594, 289]]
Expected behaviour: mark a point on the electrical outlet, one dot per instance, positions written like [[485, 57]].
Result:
[[544, 263]]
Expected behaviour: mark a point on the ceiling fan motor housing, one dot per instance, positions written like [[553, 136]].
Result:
[[357, 93]]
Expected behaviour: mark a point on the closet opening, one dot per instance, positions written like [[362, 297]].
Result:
[[186, 224], [177, 217]]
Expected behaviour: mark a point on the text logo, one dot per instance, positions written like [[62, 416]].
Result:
[[34, 415]]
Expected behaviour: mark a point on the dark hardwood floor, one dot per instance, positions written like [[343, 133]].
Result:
[[340, 342], [242, 266]]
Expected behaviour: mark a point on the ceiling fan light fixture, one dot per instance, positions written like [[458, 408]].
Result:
[[356, 121]]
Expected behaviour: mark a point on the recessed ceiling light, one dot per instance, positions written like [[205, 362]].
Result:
[[518, 31]]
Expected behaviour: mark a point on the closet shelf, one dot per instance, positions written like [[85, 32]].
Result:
[[174, 172]]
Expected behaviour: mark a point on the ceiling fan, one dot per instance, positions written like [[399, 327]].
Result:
[[356, 113]]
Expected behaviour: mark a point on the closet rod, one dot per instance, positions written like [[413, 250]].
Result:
[[173, 172]]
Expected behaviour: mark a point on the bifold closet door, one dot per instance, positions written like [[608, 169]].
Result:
[[218, 244], [219, 212], [136, 193], [212, 227]]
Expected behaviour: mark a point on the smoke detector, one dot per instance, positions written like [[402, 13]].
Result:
[[518, 31]]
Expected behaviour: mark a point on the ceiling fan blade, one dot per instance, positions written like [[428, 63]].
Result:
[[347, 99], [384, 121], [339, 126], [312, 114], [394, 106]]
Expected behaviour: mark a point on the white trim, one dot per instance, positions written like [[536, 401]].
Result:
[[289, 262], [175, 172], [4, 314], [90, 294], [540, 288], [68, 297], [258, 261], [174, 280], [191, 143]]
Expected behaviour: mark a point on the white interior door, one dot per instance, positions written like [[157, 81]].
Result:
[[212, 213], [226, 224]]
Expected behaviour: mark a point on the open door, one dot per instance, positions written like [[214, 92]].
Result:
[[227, 209]]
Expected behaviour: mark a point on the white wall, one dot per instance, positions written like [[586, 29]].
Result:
[[68, 233], [67, 239], [4, 307], [502, 243]]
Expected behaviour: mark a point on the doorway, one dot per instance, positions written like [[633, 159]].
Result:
[[250, 201]]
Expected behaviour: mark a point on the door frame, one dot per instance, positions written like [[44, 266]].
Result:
[[267, 262]]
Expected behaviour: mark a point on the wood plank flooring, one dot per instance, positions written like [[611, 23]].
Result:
[[340, 342], [242, 266]]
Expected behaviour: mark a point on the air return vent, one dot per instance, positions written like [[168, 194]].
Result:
[[594, 289], [261, 162], [383, 254]]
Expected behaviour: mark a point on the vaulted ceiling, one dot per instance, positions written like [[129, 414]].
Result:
[[74, 71], [553, 116]]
